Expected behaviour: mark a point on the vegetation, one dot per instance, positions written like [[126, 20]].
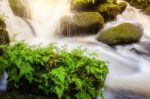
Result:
[[52, 71], [121, 34]]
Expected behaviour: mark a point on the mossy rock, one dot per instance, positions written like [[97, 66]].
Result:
[[81, 24], [110, 11], [78, 6], [122, 6], [141, 4], [147, 9], [122, 34], [20, 8], [87, 5], [4, 37]]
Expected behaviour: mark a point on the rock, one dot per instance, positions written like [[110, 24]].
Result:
[[79, 6], [87, 5], [140, 4], [4, 37], [122, 6], [81, 24], [20, 8], [110, 11], [122, 34], [147, 9]]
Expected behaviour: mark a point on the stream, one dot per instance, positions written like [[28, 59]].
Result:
[[129, 65]]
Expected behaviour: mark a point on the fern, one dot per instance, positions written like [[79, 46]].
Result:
[[53, 71]]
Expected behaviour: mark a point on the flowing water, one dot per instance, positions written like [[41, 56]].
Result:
[[128, 65]]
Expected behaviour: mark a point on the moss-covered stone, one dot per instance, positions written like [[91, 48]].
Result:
[[147, 9], [141, 4], [121, 34], [81, 23], [4, 37], [20, 8], [88, 5], [122, 6], [110, 11], [82, 6]]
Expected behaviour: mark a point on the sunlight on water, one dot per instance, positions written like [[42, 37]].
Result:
[[46, 14]]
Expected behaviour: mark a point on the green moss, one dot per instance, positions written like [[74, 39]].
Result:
[[141, 4], [147, 9], [85, 22], [86, 19], [121, 34], [4, 37], [109, 11]]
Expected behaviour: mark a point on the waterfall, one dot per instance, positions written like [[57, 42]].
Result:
[[45, 15], [128, 70], [133, 15], [14, 24], [139, 81]]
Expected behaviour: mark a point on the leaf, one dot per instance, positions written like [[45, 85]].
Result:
[[59, 73], [26, 70]]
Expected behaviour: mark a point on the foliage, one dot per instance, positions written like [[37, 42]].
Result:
[[53, 71]]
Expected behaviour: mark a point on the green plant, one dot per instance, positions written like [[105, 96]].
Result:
[[110, 1], [53, 71]]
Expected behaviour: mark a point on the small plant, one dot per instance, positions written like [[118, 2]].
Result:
[[53, 71], [110, 1]]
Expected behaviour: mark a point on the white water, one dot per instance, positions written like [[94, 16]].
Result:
[[128, 70], [46, 14]]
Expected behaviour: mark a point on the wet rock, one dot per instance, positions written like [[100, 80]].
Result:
[[147, 9], [110, 11], [81, 24], [20, 8], [4, 37], [142, 48], [88, 5], [124, 33], [140, 4]]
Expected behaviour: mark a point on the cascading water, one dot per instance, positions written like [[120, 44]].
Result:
[[128, 70], [45, 15]]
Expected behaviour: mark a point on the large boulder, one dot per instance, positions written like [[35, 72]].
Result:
[[121, 34], [81, 24], [20, 8]]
